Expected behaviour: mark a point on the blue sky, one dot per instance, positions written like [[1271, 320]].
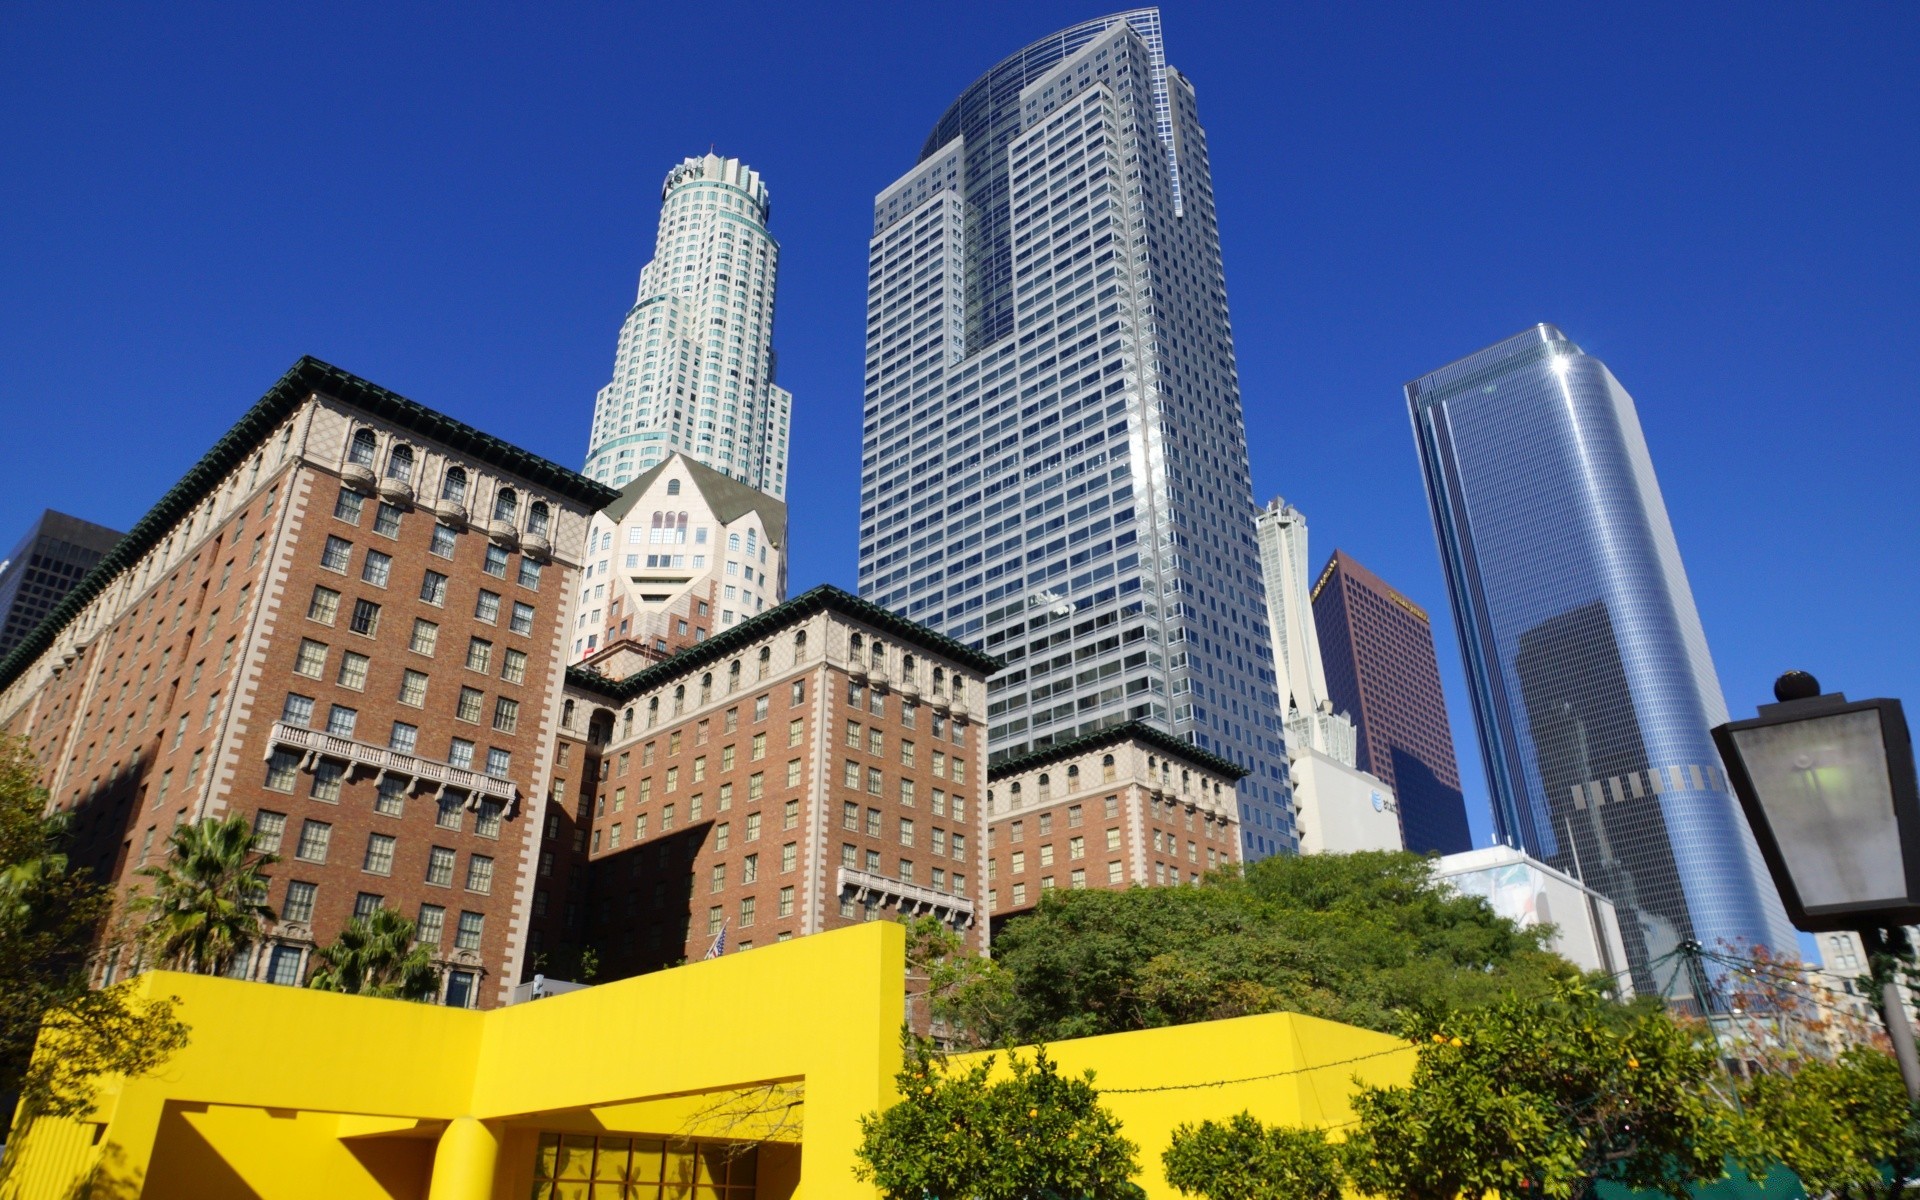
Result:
[[455, 200]]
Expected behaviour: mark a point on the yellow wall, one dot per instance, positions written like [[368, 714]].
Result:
[[284, 1092]]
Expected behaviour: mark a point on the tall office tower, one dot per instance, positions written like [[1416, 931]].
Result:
[[1282, 533], [49, 560], [1378, 649], [1055, 463], [694, 368], [1591, 683]]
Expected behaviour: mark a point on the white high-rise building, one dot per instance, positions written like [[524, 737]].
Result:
[[1055, 459], [695, 366], [1310, 720]]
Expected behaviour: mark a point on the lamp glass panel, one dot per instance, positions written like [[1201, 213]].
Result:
[[1823, 785]]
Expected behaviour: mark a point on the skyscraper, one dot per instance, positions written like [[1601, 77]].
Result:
[[694, 368], [1378, 649], [1592, 687], [50, 559], [1055, 462], [1282, 533]]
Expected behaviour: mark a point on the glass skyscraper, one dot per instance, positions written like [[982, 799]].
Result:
[[1592, 687], [1055, 465], [694, 368]]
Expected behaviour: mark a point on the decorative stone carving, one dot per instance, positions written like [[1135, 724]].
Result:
[[357, 477], [502, 533], [395, 492]]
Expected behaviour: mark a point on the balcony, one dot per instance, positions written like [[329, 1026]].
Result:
[[315, 744], [909, 897]]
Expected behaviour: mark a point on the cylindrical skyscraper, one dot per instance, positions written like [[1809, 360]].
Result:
[[694, 368], [1592, 687]]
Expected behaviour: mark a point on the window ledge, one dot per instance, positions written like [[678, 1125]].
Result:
[[363, 754]]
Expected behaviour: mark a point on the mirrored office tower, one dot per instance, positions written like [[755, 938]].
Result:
[[1591, 683], [1055, 463], [694, 368]]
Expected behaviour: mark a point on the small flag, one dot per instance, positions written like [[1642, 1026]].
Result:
[[719, 946]]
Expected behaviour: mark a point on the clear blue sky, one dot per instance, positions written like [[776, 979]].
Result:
[[455, 200]]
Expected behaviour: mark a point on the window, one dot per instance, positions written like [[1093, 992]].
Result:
[[513, 667], [1113, 872], [268, 829], [327, 775], [341, 721], [786, 901], [906, 753], [873, 780], [460, 753], [747, 906], [906, 832], [337, 553], [506, 714], [495, 563], [506, 506], [440, 866], [873, 822], [1076, 847], [400, 464], [390, 796], [283, 768], [467, 708], [431, 927], [499, 762], [353, 671], [480, 655], [753, 827], [433, 588], [479, 874], [537, 518], [297, 710], [379, 860], [360, 453], [445, 537], [325, 605], [405, 738], [311, 660], [413, 688], [487, 607], [467, 935], [1113, 839], [299, 903], [425, 636], [377, 568], [314, 836], [750, 869], [529, 574], [760, 706], [346, 506], [366, 618], [789, 856], [522, 621]]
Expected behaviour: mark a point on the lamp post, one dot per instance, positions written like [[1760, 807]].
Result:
[[1828, 787]]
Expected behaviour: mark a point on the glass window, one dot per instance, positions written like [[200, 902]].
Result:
[[440, 861], [311, 660], [405, 738], [460, 753], [268, 829], [522, 621], [413, 688], [467, 936], [390, 796], [513, 666], [298, 710], [433, 588], [469, 704], [386, 520], [445, 537], [346, 506], [479, 873], [487, 607], [379, 859], [431, 927], [298, 906], [499, 762], [487, 823], [342, 720], [529, 574], [366, 618], [314, 837], [336, 554], [495, 563], [327, 775], [283, 769], [325, 605], [353, 671], [506, 714], [480, 655]]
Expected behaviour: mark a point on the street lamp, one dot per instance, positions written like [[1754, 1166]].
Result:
[[1829, 790]]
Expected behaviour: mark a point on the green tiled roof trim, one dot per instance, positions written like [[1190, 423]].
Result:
[[1135, 731], [728, 642], [304, 378]]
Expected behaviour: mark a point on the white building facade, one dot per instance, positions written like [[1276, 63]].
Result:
[[1054, 462], [1528, 892], [694, 370]]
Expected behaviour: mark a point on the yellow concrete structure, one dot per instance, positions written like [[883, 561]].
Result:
[[740, 1078]]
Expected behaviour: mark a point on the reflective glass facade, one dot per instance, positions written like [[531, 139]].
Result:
[[1054, 459], [1591, 682]]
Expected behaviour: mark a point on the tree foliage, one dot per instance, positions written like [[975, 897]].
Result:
[[49, 915], [1834, 1124], [206, 904], [1543, 1096], [960, 1135], [1245, 1160], [1367, 939], [376, 956]]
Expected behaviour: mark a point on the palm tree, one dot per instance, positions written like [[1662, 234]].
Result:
[[375, 956], [208, 896]]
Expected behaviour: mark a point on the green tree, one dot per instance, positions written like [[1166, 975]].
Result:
[[49, 917], [1544, 1096], [956, 1135], [1362, 938], [207, 901], [376, 956], [1245, 1160], [1836, 1124]]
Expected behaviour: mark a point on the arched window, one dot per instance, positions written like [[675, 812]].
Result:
[[733, 675], [506, 506], [673, 487], [361, 452], [656, 531], [706, 687], [653, 711], [751, 535], [1046, 786], [1185, 781], [454, 486], [400, 464], [566, 715], [733, 541], [626, 721], [800, 646], [1073, 777], [766, 661], [680, 530], [537, 520], [907, 667], [939, 679], [854, 644], [1106, 768], [679, 699], [1014, 793], [878, 655]]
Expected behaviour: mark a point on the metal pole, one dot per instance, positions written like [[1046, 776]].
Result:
[[1887, 949]]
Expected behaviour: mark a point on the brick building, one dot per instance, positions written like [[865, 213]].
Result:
[[1128, 806], [808, 768], [348, 621]]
